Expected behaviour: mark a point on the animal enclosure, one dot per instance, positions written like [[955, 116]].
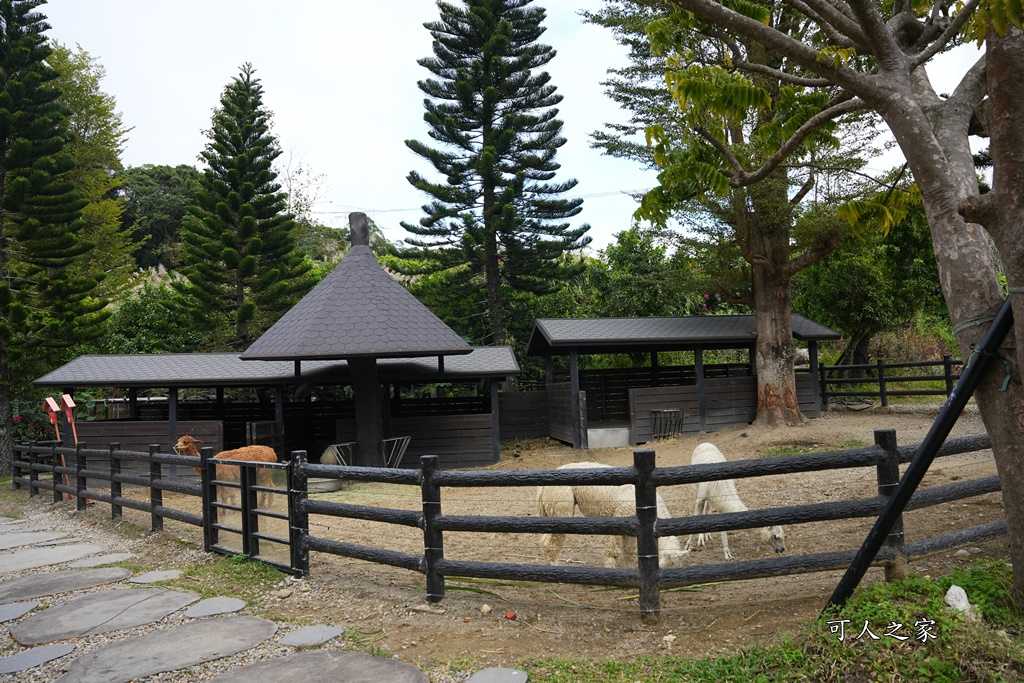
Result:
[[489, 528]]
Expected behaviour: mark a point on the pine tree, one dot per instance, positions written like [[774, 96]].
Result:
[[495, 218], [238, 254], [42, 305]]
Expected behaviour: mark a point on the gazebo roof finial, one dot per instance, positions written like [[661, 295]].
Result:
[[359, 229]]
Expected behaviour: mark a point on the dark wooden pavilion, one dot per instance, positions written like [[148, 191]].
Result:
[[614, 407], [358, 327]]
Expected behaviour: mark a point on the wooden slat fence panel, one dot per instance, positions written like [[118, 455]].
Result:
[[643, 401], [560, 411], [136, 435], [523, 414], [458, 440]]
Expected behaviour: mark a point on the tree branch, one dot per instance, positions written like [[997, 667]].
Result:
[[722, 149], [825, 115], [800, 53], [804, 189], [879, 38], [951, 31], [743, 65], [981, 209], [837, 26], [823, 245]]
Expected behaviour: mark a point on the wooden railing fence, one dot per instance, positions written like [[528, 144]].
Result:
[[648, 576], [876, 380]]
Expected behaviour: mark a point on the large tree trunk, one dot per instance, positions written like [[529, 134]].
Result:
[[943, 167], [776, 384]]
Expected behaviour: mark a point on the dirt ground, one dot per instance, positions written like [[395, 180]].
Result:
[[384, 608]]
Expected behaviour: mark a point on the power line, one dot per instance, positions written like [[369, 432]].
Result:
[[594, 195]]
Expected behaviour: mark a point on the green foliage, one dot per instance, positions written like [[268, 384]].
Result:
[[44, 304], [496, 214], [156, 202], [152, 319], [99, 138], [238, 256]]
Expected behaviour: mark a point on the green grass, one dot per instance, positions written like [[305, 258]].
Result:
[[962, 650], [234, 577], [801, 449]]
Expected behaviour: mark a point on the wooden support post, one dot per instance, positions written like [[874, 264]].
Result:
[[369, 430], [655, 370], [298, 527], [492, 386], [812, 354], [881, 383], [172, 422], [209, 494], [647, 540], [80, 479], [549, 368], [115, 485], [433, 538], [156, 495], [888, 473], [57, 495], [33, 473], [574, 399], [279, 403], [133, 404], [702, 394], [947, 369]]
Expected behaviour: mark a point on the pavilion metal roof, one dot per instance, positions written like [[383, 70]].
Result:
[[618, 335], [358, 310], [227, 369]]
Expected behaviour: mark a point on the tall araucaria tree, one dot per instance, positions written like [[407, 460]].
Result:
[[496, 219], [238, 255], [42, 305]]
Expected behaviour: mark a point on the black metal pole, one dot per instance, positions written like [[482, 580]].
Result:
[[969, 380]]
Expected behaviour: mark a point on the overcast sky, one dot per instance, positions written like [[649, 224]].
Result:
[[340, 77]]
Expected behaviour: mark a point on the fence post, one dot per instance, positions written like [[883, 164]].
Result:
[[80, 483], [208, 495], [298, 519], [947, 367], [115, 485], [250, 517], [881, 383], [888, 478], [58, 496], [15, 468], [823, 390], [33, 473], [647, 540], [433, 539], [156, 496]]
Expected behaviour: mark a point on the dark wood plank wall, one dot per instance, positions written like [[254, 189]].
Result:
[[136, 435], [643, 401], [560, 412], [457, 440], [730, 401], [523, 414]]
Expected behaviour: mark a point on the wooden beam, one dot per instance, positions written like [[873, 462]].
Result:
[[495, 421], [369, 428], [574, 398], [702, 394]]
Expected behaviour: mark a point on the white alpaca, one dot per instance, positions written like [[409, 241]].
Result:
[[601, 501], [721, 496]]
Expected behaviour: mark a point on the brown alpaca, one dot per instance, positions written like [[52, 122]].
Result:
[[264, 476]]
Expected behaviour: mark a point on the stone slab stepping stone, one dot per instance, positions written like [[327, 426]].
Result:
[[51, 583], [5, 520], [214, 606], [8, 541], [26, 659], [42, 557], [100, 612], [498, 674], [153, 577], [311, 635], [171, 649], [60, 541], [13, 610], [98, 560], [326, 665]]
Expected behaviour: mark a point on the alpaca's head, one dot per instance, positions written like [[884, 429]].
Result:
[[672, 558], [776, 536], [187, 445]]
